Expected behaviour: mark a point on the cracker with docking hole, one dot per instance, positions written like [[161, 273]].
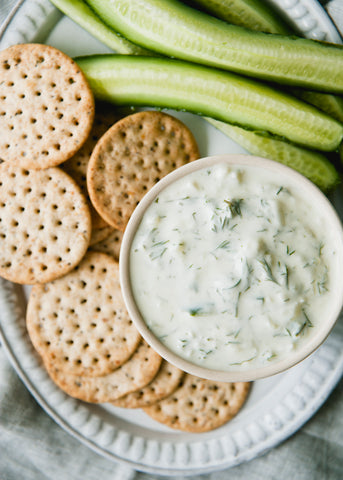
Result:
[[45, 224], [131, 157], [111, 245], [46, 109], [76, 166], [79, 323], [200, 405], [100, 234], [135, 373], [165, 383]]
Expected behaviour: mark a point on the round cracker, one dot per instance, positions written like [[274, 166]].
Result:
[[111, 244], [100, 234], [137, 372], [47, 106], [45, 224], [166, 382], [200, 405], [79, 323], [77, 166], [131, 157]]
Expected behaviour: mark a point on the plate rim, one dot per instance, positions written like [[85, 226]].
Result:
[[324, 368], [35, 14]]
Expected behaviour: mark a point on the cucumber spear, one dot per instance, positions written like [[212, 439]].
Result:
[[168, 83], [174, 29]]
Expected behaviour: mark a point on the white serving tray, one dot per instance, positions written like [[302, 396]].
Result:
[[276, 407]]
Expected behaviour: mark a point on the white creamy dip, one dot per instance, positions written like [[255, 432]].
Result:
[[230, 267]]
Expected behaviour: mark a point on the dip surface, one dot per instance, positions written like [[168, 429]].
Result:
[[232, 267]]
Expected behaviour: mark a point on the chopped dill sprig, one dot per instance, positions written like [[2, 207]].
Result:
[[234, 334], [321, 286], [153, 230], [235, 206], [159, 255], [237, 304], [205, 353], [286, 275], [235, 285], [194, 311], [307, 324], [320, 249], [184, 342], [244, 361], [289, 251], [158, 252], [308, 321], [187, 197], [223, 245], [268, 270], [157, 244], [225, 222]]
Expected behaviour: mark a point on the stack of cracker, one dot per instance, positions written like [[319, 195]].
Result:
[[70, 179], [46, 115]]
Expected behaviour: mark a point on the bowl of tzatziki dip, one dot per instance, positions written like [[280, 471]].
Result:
[[231, 267]]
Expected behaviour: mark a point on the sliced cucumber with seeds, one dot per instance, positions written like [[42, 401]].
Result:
[[174, 29], [313, 165], [257, 15], [84, 16], [242, 13], [253, 14], [161, 82], [331, 104]]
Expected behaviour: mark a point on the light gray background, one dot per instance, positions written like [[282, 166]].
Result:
[[33, 447]]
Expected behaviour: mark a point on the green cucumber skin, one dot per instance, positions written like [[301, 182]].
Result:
[[253, 14], [167, 83], [331, 104], [313, 165], [84, 16], [174, 29]]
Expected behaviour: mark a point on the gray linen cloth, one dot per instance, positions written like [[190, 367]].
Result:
[[34, 447]]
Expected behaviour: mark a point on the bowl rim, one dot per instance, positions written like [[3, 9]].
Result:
[[124, 270]]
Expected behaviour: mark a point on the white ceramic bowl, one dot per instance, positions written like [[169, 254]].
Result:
[[333, 223]]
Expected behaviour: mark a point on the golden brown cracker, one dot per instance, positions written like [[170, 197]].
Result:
[[79, 323], [166, 381], [135, 373], [45, 224], [46, 106], [77, 166], [111, 244], [131, 157], [200, 405]]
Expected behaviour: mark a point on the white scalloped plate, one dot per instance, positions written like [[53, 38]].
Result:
[[276, 407]]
